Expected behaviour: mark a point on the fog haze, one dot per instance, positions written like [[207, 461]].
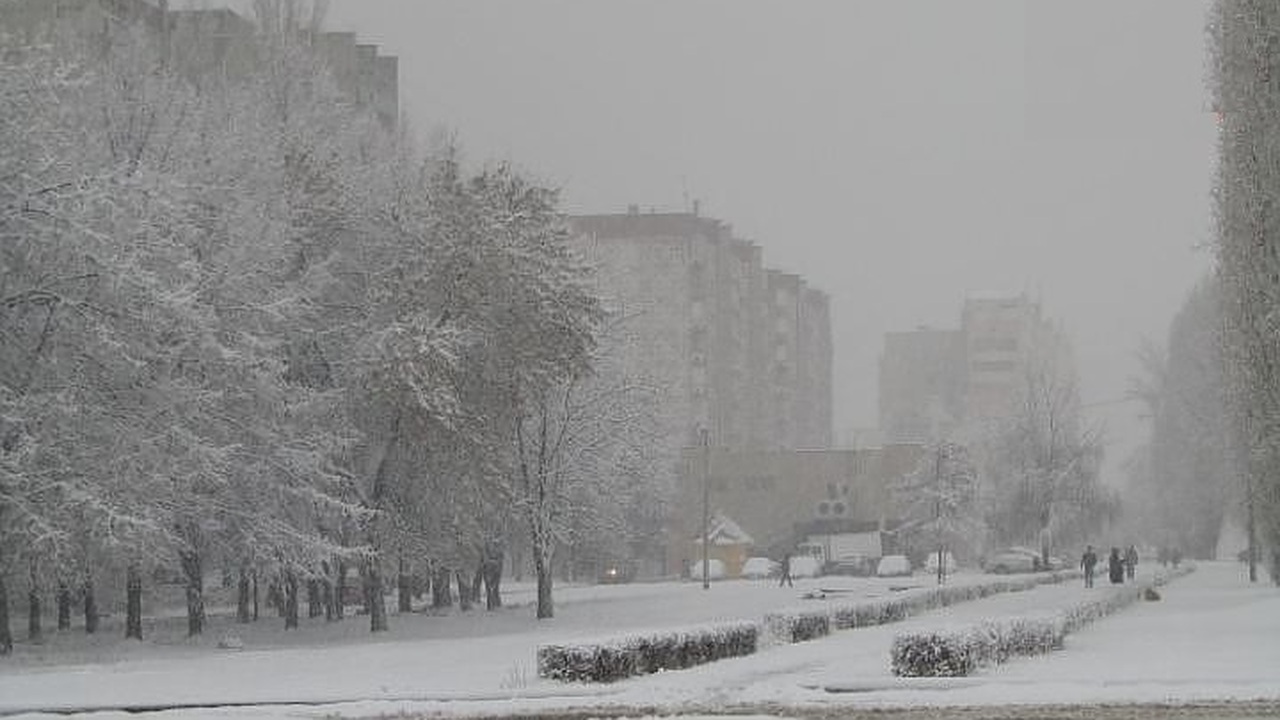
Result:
[[898, 155]]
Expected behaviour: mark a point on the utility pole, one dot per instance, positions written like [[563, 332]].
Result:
[[706, 508]]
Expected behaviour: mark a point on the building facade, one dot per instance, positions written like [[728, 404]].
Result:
[[934, 383], [739, 350], [212, 39], [778, 497]]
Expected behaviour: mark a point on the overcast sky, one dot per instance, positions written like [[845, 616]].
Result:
[[897, 153]]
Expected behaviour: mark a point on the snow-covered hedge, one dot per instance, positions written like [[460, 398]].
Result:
[[955, 652], [794, 627], [949, 653], [808, 624], [618, 658]]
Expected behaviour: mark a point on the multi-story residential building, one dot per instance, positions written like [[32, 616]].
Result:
[[922, 384], [933, 382], [208, 39], [739, 350]]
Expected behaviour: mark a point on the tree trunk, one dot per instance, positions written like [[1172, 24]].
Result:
[[476, 581], [492, 581], [290, 601], [255, 596], [6, 636], [464, 592], [90, 607], [34, 632], [133, 603], [191, 567], [327, 589], [373, 597], [546, 607], [244, 612], [404, 588], [315, 608], [340, 591], [64, 606], [275, 597], [441, 591]]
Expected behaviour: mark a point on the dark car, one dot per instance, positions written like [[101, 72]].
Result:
[[616, 574]]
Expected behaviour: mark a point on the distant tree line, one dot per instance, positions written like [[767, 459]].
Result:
[[244, 328]]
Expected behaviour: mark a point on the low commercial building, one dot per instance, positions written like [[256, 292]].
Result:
[[779, 498]]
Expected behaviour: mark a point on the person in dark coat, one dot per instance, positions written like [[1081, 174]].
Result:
[[786, 571], [1130, 562], [1115, 566], [1088, 562]]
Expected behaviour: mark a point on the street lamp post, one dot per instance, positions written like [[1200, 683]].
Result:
[[706, 509]]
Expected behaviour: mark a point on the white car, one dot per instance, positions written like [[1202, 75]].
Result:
[[757, 568], [715, 569], [805, 566], [894, 566], [1013, 560], [931, 563]]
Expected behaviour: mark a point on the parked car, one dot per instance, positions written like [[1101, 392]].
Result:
[[757, 568], [894, 566], [805, 566], [1012, 560], [616, 574], [931, 563], [715, 569], [856, 565]]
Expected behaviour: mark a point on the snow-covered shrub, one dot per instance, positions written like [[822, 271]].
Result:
[[794, 627], [960, 652], [952, 653], [934, 654], [617, 658]]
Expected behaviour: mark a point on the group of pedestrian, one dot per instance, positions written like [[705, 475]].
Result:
[[1119, 567]]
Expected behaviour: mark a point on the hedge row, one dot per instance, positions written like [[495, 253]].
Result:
[[802, 625], [618, 658], [937, 653]]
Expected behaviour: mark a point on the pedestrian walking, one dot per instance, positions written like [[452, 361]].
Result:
[[1115, 566], [786, 571], [1088, 562], [1131, 562]]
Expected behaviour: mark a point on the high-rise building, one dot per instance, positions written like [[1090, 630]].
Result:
[[922, 384], [216, 39], [741, 351], [936, 382]]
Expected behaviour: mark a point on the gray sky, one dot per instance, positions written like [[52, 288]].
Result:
[[897, 153]]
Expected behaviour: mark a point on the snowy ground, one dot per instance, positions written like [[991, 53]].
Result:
[[1213, 637]]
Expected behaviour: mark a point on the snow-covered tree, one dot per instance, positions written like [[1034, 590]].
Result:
[[1245, 62], [938, 503]]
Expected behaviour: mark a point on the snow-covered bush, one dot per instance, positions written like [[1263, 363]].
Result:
[[794, 627], [951, 653], [934, 653], [618, 658]]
